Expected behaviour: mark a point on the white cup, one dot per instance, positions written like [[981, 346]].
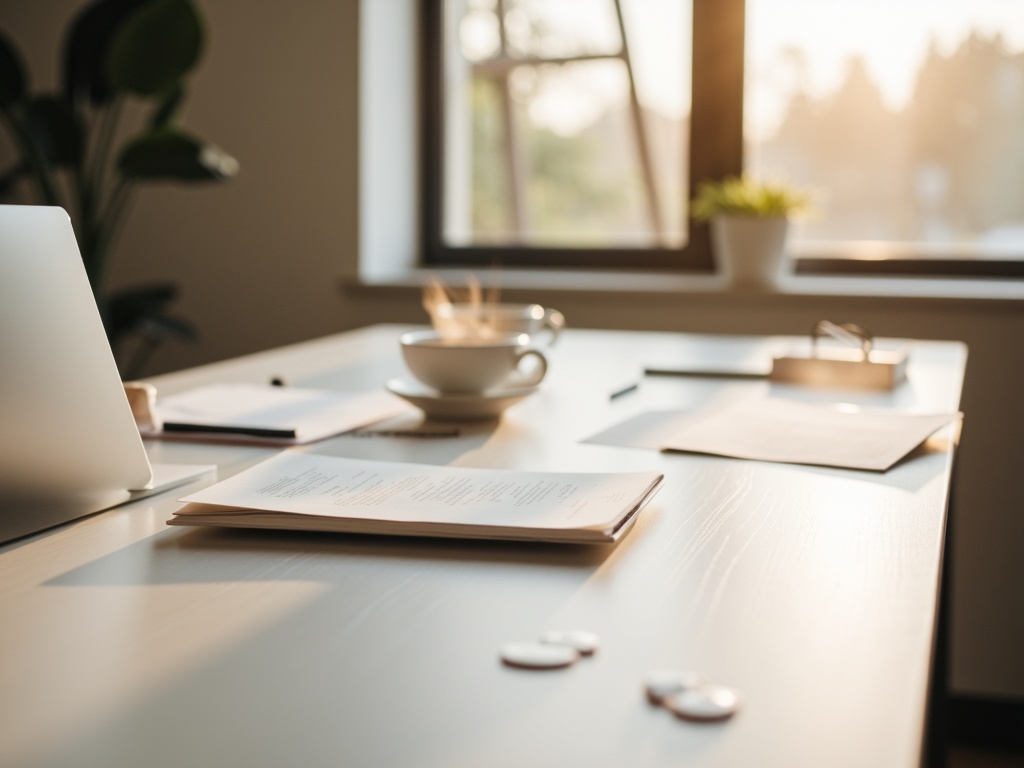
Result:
[[489, 320], [471, 366]]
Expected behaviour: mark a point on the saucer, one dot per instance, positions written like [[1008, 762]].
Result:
[[474, 407]]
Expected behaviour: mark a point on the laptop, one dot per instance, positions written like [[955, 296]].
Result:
[[69, 445]]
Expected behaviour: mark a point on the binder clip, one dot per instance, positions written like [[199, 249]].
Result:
[[854, 363]]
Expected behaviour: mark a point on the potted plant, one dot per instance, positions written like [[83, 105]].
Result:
[[749, 223], [120, 58]]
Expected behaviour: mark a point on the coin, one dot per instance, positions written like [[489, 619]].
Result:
[[664, 682], [584, 642], [531, 655], [708, 702]]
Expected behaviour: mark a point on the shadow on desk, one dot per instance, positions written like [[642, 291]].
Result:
[[239, 555]]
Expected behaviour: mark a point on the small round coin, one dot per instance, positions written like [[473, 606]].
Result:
[[664, 682], [530, 655], [708, 702], [584, 642]]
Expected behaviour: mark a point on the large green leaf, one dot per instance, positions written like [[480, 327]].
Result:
[[56, 129], [87, 48], [172, 155], [155, 47], [12, 73]]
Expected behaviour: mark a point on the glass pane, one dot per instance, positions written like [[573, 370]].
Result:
[[546, 143], [906, 117]]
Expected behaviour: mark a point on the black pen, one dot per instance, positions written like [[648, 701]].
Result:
[[227, 429], [625, 390]]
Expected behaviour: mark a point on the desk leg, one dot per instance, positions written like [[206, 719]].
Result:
[[936, 740]]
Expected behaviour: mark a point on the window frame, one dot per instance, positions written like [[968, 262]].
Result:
[[717, 97]]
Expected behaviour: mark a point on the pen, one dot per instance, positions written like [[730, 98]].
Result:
[[735, 373], [625, 390], [405, 433], [177, 426]]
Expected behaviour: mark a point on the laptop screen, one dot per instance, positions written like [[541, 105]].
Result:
[[69, 445]]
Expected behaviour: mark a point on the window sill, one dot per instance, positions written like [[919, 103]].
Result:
[[639, 284]]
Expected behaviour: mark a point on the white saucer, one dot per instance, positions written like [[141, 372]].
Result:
[[476, 407]]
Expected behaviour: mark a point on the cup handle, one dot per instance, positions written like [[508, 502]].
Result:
[[534, 377], [554, 322]]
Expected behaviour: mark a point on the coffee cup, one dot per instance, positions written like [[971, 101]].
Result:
[[485, 320], [471, 365]]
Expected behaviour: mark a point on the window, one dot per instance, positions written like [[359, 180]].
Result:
[[907, 117], [572, 132]]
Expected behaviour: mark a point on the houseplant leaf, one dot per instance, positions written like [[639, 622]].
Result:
[[127, 310], [87, 46], [55, 125], [12, 73], [155, 47], [172, 155]]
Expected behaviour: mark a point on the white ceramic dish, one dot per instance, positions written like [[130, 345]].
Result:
[[476, 407]]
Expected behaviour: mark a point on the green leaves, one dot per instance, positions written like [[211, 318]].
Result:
[[155, 47], [12, 74], [55, 126], [745, 197], [86, 49], [172, 155]]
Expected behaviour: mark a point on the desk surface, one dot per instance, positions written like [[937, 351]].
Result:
[[124, 642]]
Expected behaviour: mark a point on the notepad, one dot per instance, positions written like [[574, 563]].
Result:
[[302, 491], [263, 413]]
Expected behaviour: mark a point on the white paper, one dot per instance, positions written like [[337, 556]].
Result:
[[770, 429], [328, 486], [313, 414]]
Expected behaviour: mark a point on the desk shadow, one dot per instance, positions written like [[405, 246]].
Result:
[[183, 556], [911, 473]]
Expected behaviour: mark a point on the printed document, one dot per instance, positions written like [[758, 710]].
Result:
[[311, 492]]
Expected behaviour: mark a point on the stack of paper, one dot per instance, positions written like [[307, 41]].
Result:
[[323, 493]]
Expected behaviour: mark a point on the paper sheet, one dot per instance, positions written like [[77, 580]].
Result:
[[771, 429]]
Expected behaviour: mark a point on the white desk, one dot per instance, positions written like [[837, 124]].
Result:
[[124, 642]]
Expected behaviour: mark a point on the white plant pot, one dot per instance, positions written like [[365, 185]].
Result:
[[751, 250]]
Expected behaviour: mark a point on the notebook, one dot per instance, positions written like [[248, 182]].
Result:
[[69, 445]]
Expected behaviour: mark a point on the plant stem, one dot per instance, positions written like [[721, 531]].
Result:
[[41, 172], [99, 214], [106, 129], [106, 227]]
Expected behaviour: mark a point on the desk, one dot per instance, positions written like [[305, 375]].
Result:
[[814, 591]]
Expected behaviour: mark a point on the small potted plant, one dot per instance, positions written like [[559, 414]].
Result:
[[749, 223]]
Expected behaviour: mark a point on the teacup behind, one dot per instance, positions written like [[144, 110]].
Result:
[[493, 320], [471, 366]]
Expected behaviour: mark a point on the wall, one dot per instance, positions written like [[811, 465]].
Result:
[[257, 258], [261, 261]]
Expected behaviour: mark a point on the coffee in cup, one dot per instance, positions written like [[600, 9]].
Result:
[[487, 320], [471, 365]]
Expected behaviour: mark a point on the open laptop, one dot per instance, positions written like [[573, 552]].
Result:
[[69, 445]]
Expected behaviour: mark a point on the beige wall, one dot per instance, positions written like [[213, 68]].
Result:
[[260, 261]]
